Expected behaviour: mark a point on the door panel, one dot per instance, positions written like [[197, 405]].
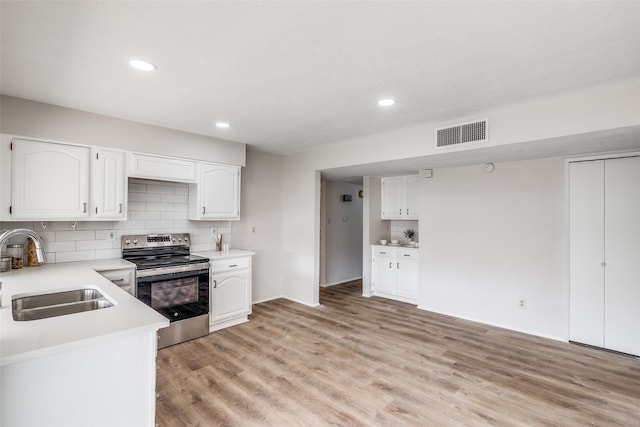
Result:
[[622, 250], [586, 235]]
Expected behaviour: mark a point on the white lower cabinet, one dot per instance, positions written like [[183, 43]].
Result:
[[125, 278], [395, 273], [230, 292]]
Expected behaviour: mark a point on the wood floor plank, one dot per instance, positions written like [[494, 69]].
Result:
[[356, 361]]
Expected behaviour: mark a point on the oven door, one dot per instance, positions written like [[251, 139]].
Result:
[[177, 296]]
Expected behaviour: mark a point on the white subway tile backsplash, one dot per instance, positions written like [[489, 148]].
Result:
[[146, 215], [66, 236], [144, 197], [85, 245], [75, 256], [172, 198], [52, 246], [154, 207]]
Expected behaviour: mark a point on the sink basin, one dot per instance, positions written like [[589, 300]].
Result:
[[43, 306]]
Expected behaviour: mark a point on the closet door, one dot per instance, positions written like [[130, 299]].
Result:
[[586, 256], [622, 251]]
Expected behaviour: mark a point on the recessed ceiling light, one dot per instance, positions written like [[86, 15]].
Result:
[[386, 102], [142, 65], [222, 125]]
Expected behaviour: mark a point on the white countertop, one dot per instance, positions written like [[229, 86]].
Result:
[[231, 253], [24, 340]]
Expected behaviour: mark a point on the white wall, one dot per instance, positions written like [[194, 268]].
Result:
[[374, 228], [343, 233], [49, 122], [609, 106], [489, 239], [261, 207]]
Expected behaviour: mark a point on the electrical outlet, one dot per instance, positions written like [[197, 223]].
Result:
[[214, 231], [111, 235], [522, 303]]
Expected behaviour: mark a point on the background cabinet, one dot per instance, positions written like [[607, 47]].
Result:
[[217, 194], [49, 180], [604, 229], [395, 273], [400, 197], [230, 292], [125, 278], [108, 184]]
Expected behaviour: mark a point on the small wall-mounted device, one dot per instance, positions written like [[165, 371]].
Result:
[[489, 167], [425, 173], [346, 197]]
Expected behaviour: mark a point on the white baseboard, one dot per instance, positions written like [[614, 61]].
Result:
[[340, 282]]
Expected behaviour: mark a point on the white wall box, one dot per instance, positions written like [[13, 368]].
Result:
[[161, 168], [108, 184], [216, 196], [230, 292], [400, 197], [395, 273], [49, 180], [604, 239]]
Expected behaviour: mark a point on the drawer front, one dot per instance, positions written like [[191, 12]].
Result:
[[230, 264], [406, 253], [384, 252], [123, 278]]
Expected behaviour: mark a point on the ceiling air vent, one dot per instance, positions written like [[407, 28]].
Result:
[[463, 133]]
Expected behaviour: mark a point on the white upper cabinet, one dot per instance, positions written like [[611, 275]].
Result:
[[217, 194], [108, 184], [161, 168], [400, 197], [49, 180]]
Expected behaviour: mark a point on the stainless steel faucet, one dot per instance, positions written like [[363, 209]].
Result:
[[40, 254], [42, 258]]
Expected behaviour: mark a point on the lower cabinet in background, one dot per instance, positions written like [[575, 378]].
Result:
[[230, 292], [395, 273], [125, 278]]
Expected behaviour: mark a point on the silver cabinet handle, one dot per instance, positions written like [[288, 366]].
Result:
[[84, 207], [398, 266], [117, 280], [604, 264], [407, 211], [400, 211], [390, 264], [215, 283], [233, 265], [120, 208], [382, 253], [203, 210]]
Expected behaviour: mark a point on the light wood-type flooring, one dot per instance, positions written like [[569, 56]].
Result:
[[358, 361]]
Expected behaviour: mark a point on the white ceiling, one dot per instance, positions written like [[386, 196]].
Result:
[[289, 76]]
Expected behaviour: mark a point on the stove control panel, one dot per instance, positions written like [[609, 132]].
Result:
[[155, 240]]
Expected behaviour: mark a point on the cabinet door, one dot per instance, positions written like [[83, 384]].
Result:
[[219, 191], [586, 255], [108, 184], [383, 272], [622, 255], [412, 197], [162, 168], [392, 198], [407, 275], [49, 181], [230, 295]]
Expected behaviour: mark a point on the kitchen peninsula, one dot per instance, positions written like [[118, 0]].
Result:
[[96, 365]]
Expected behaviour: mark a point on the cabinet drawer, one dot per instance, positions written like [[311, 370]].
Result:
[[407, 254], [123, 278], [230, 264], [384, 252]]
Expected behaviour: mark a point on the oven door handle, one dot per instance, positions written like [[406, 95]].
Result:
[[169, 270]]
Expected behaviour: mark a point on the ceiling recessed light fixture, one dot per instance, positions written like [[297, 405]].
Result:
[[223, 125], [386, 102], [142, 65]]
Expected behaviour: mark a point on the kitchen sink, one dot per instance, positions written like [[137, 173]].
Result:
[[43, 306]]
